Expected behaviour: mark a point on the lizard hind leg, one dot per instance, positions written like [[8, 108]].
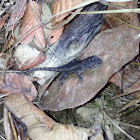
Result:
[[62, 77], [81, 78]]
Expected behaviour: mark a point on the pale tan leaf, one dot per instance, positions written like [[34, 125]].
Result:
[[17, 83], [30, 26], [40, 126], [27, 56]]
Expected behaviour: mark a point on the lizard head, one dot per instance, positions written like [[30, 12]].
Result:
[[92, 61]]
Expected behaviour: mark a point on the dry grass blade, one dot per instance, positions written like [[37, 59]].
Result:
[[124, 94], [2, 137], [137, 10], [7, 94], [12, 126], [131, 103], [130, 125], [87, 2]]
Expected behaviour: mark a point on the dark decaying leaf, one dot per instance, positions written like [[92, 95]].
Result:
[[17, 83], [74, 39], [114, 47]]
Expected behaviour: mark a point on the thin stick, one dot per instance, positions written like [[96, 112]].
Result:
[[115, 124], [137, 10], [135, 90]]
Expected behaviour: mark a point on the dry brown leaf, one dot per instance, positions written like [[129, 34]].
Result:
[[125, 78], [55, 34], [27, 57], [61, 5], [30, 26], [17, 14], [114, 47], [2, 20], [136, 85], [40, 126], [16, 83], [117, 79]]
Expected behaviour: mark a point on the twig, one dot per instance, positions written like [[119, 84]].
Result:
[[130, 125], [118, 127], [135, 90], [2, 137], [137, 10]]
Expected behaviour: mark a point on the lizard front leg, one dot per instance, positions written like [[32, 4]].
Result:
[[81, 78]]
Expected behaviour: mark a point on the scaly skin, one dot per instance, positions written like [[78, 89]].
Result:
[[75, 66]]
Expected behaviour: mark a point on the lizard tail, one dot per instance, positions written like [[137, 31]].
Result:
[[39, 69]]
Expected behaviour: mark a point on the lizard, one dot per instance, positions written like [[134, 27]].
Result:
[[74, 66]]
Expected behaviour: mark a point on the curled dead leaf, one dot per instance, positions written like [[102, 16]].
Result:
[[30, 26]]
